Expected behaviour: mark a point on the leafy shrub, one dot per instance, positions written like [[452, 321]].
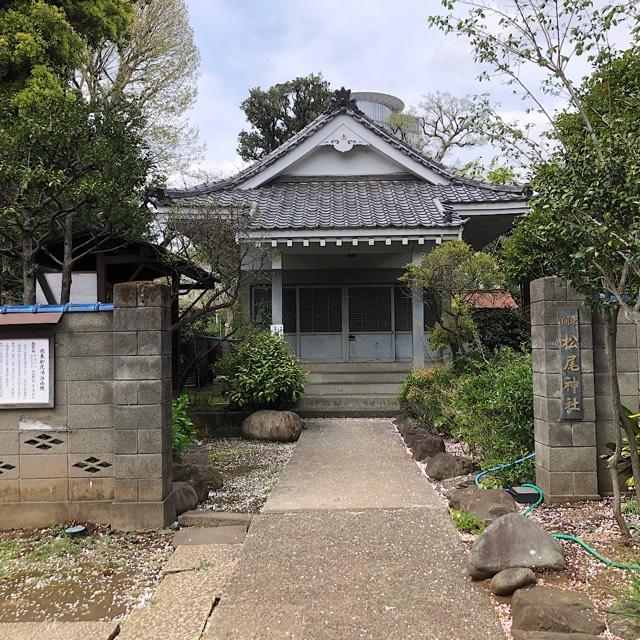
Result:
[[262, 373], [496, 328], [493, 413], [466, 521], [183, 430], [424, 396]]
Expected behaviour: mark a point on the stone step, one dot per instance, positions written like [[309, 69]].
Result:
[[323, 377], [347, 406], [352, 389], [234, 534], [202, 518], [357, 367]]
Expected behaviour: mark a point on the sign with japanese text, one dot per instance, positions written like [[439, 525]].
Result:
[[570, 365], [24, 372]]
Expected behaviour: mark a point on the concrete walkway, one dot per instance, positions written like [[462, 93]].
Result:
[[353, 543]]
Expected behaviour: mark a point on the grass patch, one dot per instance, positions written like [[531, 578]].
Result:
[[467, 522]]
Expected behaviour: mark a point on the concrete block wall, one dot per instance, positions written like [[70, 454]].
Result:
[[568, 462], [103, 452]]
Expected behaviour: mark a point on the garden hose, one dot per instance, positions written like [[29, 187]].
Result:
[[557, 536]]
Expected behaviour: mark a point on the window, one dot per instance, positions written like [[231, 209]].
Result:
[[369, 309], [404, 313], [320, 310], [262, 307]]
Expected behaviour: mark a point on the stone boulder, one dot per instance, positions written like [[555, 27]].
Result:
[[624, 626], [446, 465], [212, 477], [276, 426], [192, 474], [518, 634], [513, 541], [402, 424], [487, 504], [450, 485], [425, 445], [510, 580], [186, 497], [554, 610]]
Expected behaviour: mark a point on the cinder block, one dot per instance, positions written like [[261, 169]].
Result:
[[542, 455], [9, 467], [542, 478], [125, 343], [9, 443], [629, 383], [150, 490], [125, 441], [141, 466], [150, 441], [546, 360], [80, 322], [90, 392], [143, 516], [89, 368], [572, 459], [9, 491], [148, 416], [90, 416], [45, 466], [153, 294], [154, 391], [50, 490], [140, 367], [125, 392], [138, 319], [91, 465], [585, 484], [545, 336], [556, 434], [88, 343], [44, 442], [125, 490], [151, 343], [91, 441], [10, 419], [87, 489], [125, 294], [550, 288], [583, 434], [627, 360], [560, 484], [547, 409]]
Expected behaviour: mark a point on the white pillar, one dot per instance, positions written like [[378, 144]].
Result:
[[417, 309], [276, 293]]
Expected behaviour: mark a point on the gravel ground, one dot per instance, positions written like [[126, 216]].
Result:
[[45, 575], [250, 469]]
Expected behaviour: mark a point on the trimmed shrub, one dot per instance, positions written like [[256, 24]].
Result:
[[424, 396], [493, 413], [262, 373]]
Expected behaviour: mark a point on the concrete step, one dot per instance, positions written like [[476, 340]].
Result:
[[352, 389], [357, 367], [321, 377], [347, 406], [203, 518], [233, 534]]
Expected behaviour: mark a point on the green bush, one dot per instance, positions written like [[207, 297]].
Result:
[[496, 328], [466, 521], [424, 396], [262, 373], [183, 430], [493, 413]]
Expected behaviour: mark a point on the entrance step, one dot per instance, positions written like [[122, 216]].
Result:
[[322, 377], [210, 535], [347, 406], [352, 388], [202, 518], [357, 367]]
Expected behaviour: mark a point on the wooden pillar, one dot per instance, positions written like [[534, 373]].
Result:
[[276, 292], [417, 313]]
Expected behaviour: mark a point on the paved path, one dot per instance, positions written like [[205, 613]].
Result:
[[353, 543]]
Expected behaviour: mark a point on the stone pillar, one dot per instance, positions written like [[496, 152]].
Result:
[[566, 458], [142, 406], [276, 289], [417, 314]]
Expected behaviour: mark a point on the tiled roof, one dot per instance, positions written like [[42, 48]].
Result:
[[357, 202]]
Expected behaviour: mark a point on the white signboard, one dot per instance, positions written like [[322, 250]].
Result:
[[24, 371]]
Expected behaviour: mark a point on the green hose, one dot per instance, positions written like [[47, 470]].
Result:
[[566, 536]]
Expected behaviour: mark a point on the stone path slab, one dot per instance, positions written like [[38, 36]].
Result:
[[353, 543], [202, 518], [210, 535], [222, 557], [58, 630]]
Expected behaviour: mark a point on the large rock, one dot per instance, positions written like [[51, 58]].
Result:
[[513, 541], [446, 465], [402, 424], [192, 475], [518, 634], [197, 455], [450, 485], [623, 626], [554, 610], [424, 445], [510, 580], [277, 426], [186, 497], [487, 504]]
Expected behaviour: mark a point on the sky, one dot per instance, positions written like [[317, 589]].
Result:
[[364, 45]]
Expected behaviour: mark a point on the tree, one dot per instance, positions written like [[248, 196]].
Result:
[[157, 67], [279, 112], [453, 272], [586, 202], [66, 163]]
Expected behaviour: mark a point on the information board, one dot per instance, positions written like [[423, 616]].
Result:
[[25, 372]]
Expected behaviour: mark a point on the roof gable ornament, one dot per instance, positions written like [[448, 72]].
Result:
[[343, 139], [342, 100]]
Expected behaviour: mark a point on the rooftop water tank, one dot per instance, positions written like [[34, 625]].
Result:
[[378, 106]]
